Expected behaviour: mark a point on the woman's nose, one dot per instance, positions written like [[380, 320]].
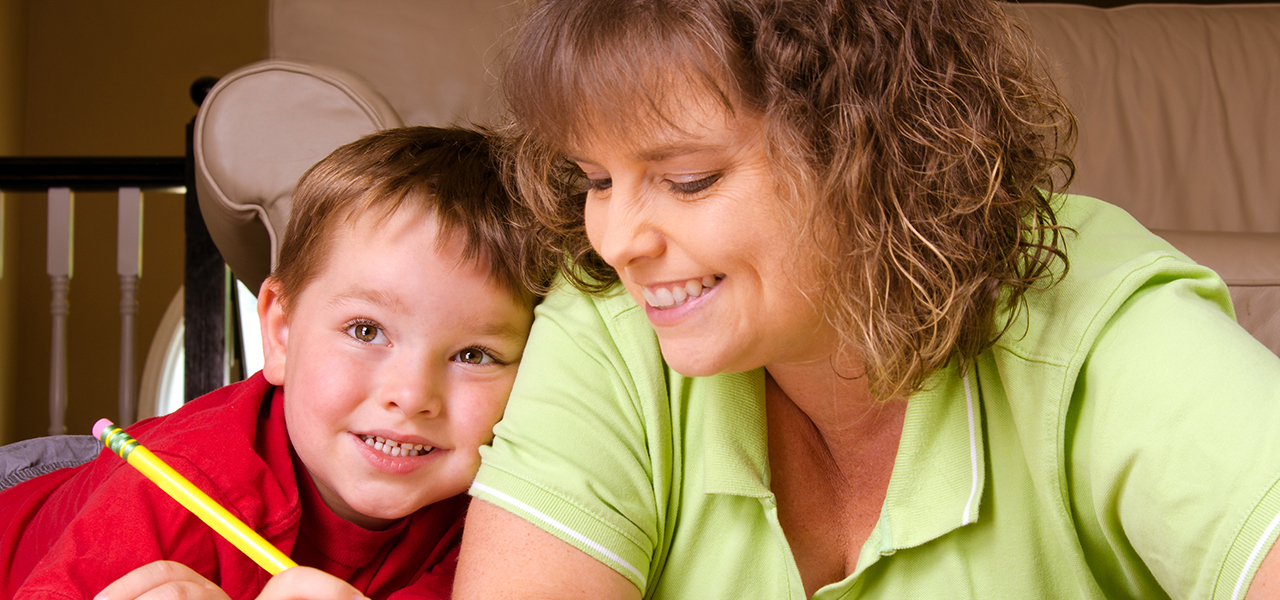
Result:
[[623, 228]]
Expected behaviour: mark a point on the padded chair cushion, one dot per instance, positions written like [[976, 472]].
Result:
[[1250, 264], [259, 129]]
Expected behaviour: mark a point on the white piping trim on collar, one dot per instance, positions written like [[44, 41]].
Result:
[[541, 516], [973, 455], [1257, 548]]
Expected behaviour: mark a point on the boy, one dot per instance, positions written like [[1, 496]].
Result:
[[392, 328]]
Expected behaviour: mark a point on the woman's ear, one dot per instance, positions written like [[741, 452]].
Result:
[[275, 330]]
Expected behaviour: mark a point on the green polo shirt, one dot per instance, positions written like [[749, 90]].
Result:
[[1121, 440]]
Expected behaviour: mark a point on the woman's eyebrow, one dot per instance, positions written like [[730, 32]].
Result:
[[665, 151], [658, 153]]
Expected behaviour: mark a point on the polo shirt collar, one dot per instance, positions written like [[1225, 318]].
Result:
[[734, 433], [938, 475], [940, 471]]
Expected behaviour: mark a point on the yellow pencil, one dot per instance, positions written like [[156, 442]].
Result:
[[196, 501]]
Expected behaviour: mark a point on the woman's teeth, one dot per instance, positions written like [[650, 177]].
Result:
[[394, 448], [673, 296]]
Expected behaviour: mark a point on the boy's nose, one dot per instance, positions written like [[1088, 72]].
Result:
[[414, 388]]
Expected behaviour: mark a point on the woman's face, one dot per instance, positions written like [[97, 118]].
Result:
[[690, 217]]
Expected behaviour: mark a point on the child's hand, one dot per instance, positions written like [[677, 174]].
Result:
[[167, 579], [162, 579], [300, 583]]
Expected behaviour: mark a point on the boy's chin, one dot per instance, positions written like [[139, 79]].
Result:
[[376, 514]]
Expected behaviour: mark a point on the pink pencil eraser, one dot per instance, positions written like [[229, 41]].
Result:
[[99, 426]]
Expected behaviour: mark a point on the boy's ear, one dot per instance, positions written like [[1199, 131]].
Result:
[[275, 330]]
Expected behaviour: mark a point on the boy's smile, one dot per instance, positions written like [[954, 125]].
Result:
[[394, 448], [396, 362]]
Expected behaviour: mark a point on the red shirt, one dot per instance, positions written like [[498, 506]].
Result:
[[70, 533]]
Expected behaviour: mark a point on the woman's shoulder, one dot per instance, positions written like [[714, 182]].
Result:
[[1100, 239], [610, 319], [1110, 257]]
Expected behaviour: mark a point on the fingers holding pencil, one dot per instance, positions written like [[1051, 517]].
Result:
[[162, 579], [301, 583], [167, 580]]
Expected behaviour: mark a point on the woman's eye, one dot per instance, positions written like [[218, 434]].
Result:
[[368, 333], [689, 188], [474, 356], [599, 185]]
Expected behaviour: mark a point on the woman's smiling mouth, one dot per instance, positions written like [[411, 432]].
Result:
[[673, 295]]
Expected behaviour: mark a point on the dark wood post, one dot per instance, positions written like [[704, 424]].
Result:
[[205, 285]]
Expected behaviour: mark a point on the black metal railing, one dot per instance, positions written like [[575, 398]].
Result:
[[89, 174]]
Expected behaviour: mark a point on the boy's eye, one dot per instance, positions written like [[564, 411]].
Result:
[[368, 333], [474, 356], [689, 188]]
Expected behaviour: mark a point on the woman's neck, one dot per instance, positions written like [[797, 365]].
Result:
[[837, 400], [831, 453]]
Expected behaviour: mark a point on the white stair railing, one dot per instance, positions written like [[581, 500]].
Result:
[[129, 268], [60, 265], [59, 258]]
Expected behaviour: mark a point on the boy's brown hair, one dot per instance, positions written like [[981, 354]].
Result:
[[450, 173]]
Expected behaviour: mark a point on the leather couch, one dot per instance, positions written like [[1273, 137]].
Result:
[[1177, 107]]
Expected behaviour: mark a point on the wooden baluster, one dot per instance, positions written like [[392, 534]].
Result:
[[129, 268], [59, 254]]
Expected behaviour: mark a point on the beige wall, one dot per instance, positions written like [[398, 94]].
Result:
[[12, 63], [103, 78], [11, 69]]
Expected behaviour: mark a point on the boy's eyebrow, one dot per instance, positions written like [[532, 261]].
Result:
[[502, 328], [371, 296]]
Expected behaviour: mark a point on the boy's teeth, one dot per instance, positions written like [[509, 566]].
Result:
[[665, 297], [394, 448]]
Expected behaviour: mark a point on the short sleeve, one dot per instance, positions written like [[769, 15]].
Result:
[[1175, 453], [585, 432]]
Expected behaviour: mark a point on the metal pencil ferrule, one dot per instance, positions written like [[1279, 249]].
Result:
[[118, 441]]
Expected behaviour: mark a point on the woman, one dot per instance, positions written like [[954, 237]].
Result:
[[829, 331]]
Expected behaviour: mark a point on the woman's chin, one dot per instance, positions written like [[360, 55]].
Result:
[[691, 359]]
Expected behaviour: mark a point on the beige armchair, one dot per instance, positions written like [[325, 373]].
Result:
[[1176, 103]]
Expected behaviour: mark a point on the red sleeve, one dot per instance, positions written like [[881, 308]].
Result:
[[126, 522]]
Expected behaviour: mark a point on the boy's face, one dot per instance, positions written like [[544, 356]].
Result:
[[396, 361]]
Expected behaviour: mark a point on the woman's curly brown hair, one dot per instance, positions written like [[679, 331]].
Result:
[[918, 139]]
